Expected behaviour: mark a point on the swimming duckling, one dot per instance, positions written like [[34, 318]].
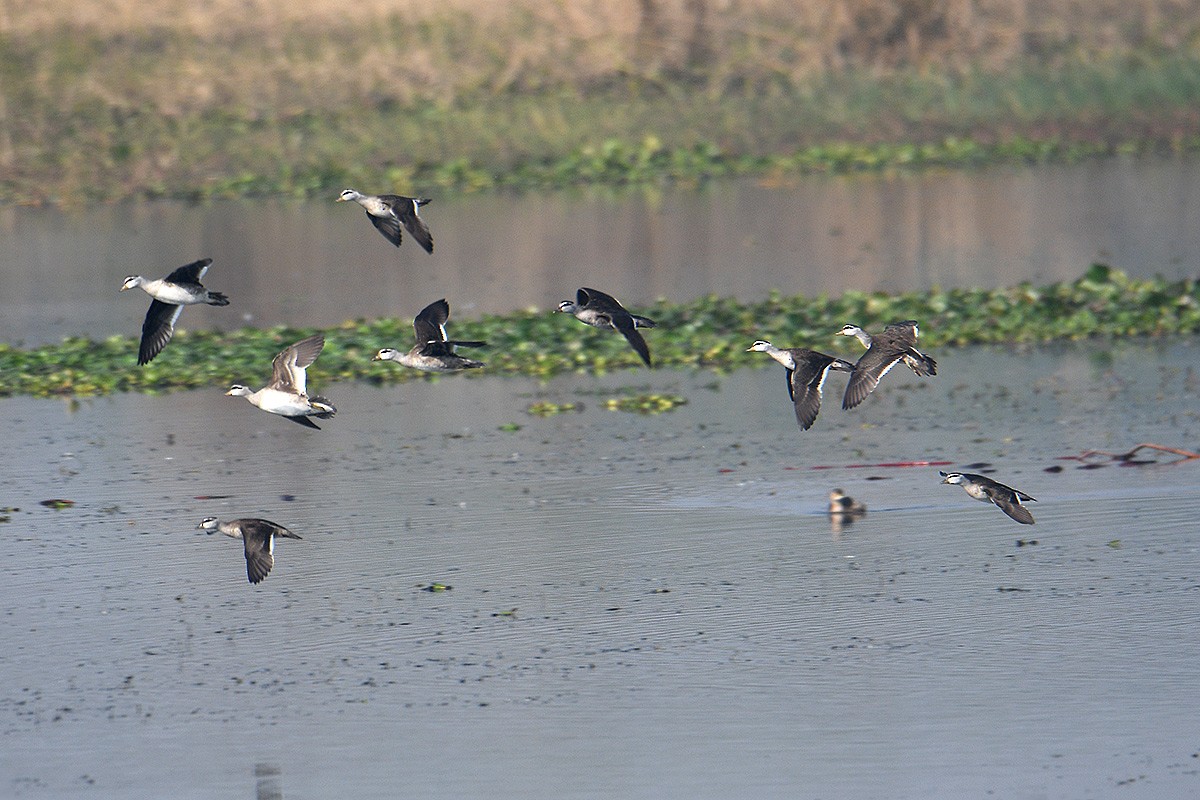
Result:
[[896, 343], [258, 536], [433, 351], [181, 288], [388, 212], [287, 393], [987, 490], [806, 371], [843, 504], [600, 310]]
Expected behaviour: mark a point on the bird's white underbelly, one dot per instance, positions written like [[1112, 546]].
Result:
[[278, 402], [175, 295]]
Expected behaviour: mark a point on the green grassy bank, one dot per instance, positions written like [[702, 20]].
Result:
[[237, 98], [711, 333], [851, 123]]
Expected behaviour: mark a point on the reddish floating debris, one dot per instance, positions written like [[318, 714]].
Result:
[[913, 464], [886, 465]]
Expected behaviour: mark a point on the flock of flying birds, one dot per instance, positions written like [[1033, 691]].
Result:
[[287, 392]]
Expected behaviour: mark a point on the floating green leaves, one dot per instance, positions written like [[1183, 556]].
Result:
[[710, 332], [545, 408], [645, 403]]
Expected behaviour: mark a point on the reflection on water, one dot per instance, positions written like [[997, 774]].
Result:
[[320, 263], [267, 785], [641, 606]]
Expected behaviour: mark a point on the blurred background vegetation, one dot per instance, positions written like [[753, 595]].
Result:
[[108, 99]]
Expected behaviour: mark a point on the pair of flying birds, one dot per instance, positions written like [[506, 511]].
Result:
[[287, 393], [807, 369]]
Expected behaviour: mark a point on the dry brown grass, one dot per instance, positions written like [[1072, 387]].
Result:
[[183, 56]]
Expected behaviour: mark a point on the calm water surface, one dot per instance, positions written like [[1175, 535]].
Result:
[[641, 606], [321, 263]]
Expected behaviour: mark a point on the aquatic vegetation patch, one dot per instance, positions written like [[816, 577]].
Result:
[[645, 403], [710, 332], [545, 408]]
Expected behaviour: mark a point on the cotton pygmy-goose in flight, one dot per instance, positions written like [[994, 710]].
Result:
[[600, 310], [287, 393], [180, 288], [896, 343], [258, 535], [806, 373], [989, 491], [388, 212], [433, 351]]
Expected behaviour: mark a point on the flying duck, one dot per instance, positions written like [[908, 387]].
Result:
[[180, 288], [433, 351], [258, 535], [287, 394], [600, 310], [806, 373], [388, 212], [989, 491], [897, 343]]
